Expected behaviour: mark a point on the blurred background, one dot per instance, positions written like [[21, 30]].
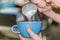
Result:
[[50, 28]]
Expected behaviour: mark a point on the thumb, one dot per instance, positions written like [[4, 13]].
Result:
[[30, 31], [32, 34]]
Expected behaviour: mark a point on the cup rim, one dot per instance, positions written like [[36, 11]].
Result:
[[31, 22]]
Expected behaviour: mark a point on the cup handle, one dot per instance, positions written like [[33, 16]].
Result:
[[12, 29]]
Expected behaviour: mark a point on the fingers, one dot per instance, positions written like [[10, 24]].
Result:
[[35, 1], [40, 10], [40, 35], [44, 38], [33, 35], [22, 38], [48, 0]]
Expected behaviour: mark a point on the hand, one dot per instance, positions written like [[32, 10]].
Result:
[[32, 35], [55, 3], [41, 4]]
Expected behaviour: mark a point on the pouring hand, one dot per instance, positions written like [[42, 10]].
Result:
[[41, 5]]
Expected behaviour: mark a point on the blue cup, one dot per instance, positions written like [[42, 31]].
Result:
[[35, 27]]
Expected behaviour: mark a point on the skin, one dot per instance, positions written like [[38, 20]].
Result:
[[47, 10], [20, 2], [32, 35]]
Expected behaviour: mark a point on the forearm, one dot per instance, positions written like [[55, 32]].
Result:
[[53, 15]]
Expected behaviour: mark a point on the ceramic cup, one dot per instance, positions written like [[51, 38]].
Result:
[[35, 27]]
